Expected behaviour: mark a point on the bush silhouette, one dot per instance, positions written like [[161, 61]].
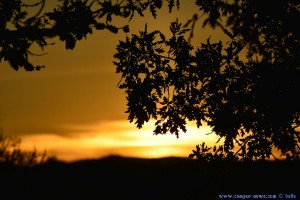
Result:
[[11, 153]]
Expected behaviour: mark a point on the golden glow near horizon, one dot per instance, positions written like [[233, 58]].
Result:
[[118, 138]]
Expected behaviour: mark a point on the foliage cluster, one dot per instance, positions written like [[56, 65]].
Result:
[[245, 89], [70, 21]]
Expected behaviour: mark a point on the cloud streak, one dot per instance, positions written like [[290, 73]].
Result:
[[118, 138]]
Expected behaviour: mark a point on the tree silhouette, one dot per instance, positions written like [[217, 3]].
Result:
[[244, 88], [249, 101]]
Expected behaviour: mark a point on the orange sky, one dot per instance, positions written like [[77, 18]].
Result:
[[116, 138], [73, 107]]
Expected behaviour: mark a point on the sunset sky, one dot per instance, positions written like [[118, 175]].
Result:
[[74, 109]]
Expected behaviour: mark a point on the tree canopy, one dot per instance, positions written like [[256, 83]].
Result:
[[245, 88]]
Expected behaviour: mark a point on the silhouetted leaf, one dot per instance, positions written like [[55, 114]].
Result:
[[70, 42], [126, 29], [112, 29], [100, 26]]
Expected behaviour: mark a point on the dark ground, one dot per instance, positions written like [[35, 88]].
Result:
[[168, 178]]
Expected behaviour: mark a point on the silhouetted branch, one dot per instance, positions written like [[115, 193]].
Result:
[[34, 54], [42, 3]]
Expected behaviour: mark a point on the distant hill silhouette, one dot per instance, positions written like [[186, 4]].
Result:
[[116, 177]]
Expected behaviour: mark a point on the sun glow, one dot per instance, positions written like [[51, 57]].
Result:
[[118, 138]]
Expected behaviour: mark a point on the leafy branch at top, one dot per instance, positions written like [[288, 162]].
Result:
[[70, 21]]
